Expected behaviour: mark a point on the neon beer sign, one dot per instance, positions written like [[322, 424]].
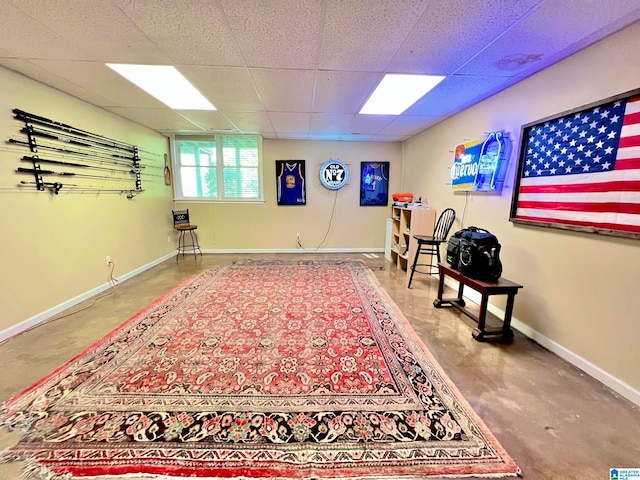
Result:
[[477, 164]]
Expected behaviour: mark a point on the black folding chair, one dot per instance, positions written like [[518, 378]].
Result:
[[430, 244]]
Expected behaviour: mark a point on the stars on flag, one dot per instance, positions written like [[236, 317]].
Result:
[[584, 142]]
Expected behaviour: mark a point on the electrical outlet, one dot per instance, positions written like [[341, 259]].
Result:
[[169, 239], [108, 260]]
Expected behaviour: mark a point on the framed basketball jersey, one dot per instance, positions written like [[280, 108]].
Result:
[[290, 182], [374, 183]]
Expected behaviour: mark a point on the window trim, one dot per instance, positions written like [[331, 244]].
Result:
[[217, 138]]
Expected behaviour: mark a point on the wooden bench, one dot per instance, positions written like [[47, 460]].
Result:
[[501, 287]]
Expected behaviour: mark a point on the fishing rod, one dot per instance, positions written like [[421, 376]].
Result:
[[55, 187], [31, 118], [84, 155], [32, 144], [63, 137], [67, 151], [35, 158], [69, 174], [26, 116]]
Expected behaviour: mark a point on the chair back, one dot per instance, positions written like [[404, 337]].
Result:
[[444, 224], [180, 217]]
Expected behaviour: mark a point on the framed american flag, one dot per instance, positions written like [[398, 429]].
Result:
[[580, 170]]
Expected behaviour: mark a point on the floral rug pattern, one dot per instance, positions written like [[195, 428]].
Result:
[[294, 369]]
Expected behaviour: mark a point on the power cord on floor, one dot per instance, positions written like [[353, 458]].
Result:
[[110, 291]]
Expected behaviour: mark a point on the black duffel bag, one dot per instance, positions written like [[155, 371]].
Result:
[[475, 252]]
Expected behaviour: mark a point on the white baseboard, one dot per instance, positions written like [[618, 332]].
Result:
[[615, 384], [294, 250], [41, 317]]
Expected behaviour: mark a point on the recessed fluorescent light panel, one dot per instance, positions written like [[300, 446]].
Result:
[[166, 84], [397, 92]]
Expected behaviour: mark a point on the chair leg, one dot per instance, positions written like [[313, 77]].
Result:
[[438, 256], [180, 244], [413, 267], [195, 244]]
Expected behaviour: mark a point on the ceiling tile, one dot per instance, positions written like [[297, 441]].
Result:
[[289, 123], [163, 120], [356, 36], [456, 92], [284, 90], [531, 44], [323, 123], [210, 120], [251, 122], [387, 138], [100, 79], [118, 39], [408, 125], [188, 32], [282, 34], [471, 25], [25, 37], [369, 124], [343, 92], [357, 137], [228, 88], [324, 136], [42, 75]]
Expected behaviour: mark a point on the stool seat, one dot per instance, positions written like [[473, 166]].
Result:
[[186, 227]]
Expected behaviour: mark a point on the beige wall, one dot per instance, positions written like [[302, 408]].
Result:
[[579, 288], [267, 226], [54, 247]]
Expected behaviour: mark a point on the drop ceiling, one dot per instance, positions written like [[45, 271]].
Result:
[[297, 69]]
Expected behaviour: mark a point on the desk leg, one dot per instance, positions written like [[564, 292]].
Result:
[[507, 333], [478, 334], [460, 301], [438, 301]]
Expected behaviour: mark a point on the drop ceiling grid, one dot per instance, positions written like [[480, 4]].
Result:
[[268, 64]]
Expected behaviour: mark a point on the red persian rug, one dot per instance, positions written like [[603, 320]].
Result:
[[260, 369]]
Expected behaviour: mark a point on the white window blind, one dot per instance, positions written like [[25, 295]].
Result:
[[220, 167]]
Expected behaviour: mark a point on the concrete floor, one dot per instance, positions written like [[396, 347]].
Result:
[[553, 419]]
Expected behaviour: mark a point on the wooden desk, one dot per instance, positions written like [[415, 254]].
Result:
[[501, 287]]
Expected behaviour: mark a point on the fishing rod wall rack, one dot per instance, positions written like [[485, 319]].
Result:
[[77, 151]]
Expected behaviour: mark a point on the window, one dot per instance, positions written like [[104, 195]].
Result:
[[219, 167]]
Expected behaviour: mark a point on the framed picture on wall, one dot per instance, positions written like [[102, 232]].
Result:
[[290, 182], [580, 170], [374, 184]]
